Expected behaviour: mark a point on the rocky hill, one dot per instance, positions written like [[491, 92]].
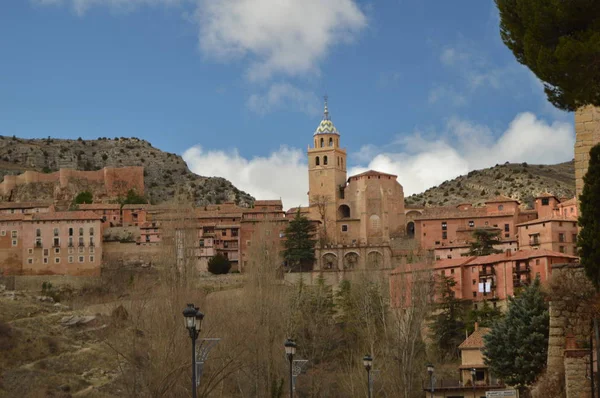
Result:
[[519, 181], [166, 175]]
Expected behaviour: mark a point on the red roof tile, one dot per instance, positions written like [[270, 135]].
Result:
[[501, 199], [372, 173], [551, 218], [475, 340]]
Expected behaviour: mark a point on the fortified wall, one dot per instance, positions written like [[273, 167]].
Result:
[[111, 181], [587, 134]]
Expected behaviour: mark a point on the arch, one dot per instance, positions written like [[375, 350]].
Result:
[[374, 259], [329, 261], [344, 211], [325, 160], [322, 142], [317, 161], [350, 260], [410, 229], [374, 222], [330, 141]]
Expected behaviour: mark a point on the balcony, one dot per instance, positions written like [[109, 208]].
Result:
[[521, 282], [459, 385], [488, 271], [71, 244], [522, 269], [81, 244], [92, 244]]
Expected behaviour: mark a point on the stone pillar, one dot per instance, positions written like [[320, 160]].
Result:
[[577, 383], [587, 134]]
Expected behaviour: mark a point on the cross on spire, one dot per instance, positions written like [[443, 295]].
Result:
[[326, 110]]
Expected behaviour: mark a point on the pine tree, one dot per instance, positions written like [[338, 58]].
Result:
[[448, 327], [559, 41], [483, 243], [517, 345], [219, 265], [589, 235], [299, 252]]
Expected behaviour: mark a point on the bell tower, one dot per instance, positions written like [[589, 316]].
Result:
[[326, 171]]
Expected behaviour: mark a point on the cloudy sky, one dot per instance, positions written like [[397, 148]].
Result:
[[423, 89]]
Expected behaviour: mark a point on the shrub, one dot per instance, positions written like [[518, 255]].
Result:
[[83, 197], [219, 265], [104, 156]]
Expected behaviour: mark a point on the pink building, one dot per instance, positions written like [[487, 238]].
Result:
[[62, 243], [25, 207], [109, 212], [494, 277], [555, 233]]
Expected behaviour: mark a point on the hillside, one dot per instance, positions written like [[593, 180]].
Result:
[[516, 180], [166, 175]]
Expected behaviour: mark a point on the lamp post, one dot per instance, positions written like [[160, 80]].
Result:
[[430, 371], [290, 350], [193, 323], [368, 363], [473, 375]]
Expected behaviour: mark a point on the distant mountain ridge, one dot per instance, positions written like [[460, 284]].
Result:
[[166, 175], [519, 181]]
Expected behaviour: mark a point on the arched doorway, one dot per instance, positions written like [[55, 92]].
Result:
[[344, 211], [330, 262], [410, 229], [350, 260], [374, 260]]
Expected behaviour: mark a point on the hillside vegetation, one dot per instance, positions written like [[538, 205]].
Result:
[[166, 175], [519, 181]]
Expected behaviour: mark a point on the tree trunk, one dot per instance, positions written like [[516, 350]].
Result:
[[597, 333]]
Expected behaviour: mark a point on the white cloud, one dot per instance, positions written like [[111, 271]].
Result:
[[277, 36], [284, 96], [283, 174], [420, 162], [448, 95], [82, 6]]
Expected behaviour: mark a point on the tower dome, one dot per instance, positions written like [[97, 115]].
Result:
[[326, 126]]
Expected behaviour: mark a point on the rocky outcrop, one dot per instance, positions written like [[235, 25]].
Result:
[[166, 176]]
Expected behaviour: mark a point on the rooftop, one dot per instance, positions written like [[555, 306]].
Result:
[[501, 199], [326, 126], [372, 173], [475, 340], [23, 205], [552, 218]]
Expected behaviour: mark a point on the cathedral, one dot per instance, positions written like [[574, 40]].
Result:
[[359, 216]]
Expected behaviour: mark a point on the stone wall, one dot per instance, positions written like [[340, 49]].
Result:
[[587, 134], [577, 383]]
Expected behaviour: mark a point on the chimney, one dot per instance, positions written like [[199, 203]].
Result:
[[476, 326]]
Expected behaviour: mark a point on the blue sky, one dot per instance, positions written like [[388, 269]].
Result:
[[421, 88]]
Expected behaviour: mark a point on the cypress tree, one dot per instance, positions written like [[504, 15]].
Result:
[[589, 219], [516, 347], [448, 327], [299, 252]]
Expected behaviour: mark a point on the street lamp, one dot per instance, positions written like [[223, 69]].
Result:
[[193, 322], [368, 363], [430, 371], [290, 350], [473, 375]]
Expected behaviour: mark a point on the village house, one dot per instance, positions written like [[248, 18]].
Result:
[[109, 212], [474, 377], [554, 233], [26, 207]]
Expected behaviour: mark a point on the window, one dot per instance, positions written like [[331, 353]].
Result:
[[450, 256], [70, 231], [330, 141], [55, 231], [56, 260], [452, 271], [500, 207], [70, 259], [506, 227], [3, 233], [80, 231], [474, 294], [444, 235], [81, 259], [92, 231], [224, 232], [29, 251], [80, 249], [13, 234], [317, 161], [201, 242], [57, 250], [46, 252], [56, 242], [91, 259], [537, 261], [444, 225], [344, 228], [81, 241], [561, 237], [560, 224], [71, 250], [574, 237], [70, 241], [322, 142], [443, 272], [234, 232], [324, 160], [561, 249], [471, 224], [30, 260], [507, 235], [38, 232], [45, 260], [474, 282], [545, 201], [14, 242]]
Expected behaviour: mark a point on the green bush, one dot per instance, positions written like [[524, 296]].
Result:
[[219, 265]]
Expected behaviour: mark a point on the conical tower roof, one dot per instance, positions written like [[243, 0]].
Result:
[[326, 126]]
